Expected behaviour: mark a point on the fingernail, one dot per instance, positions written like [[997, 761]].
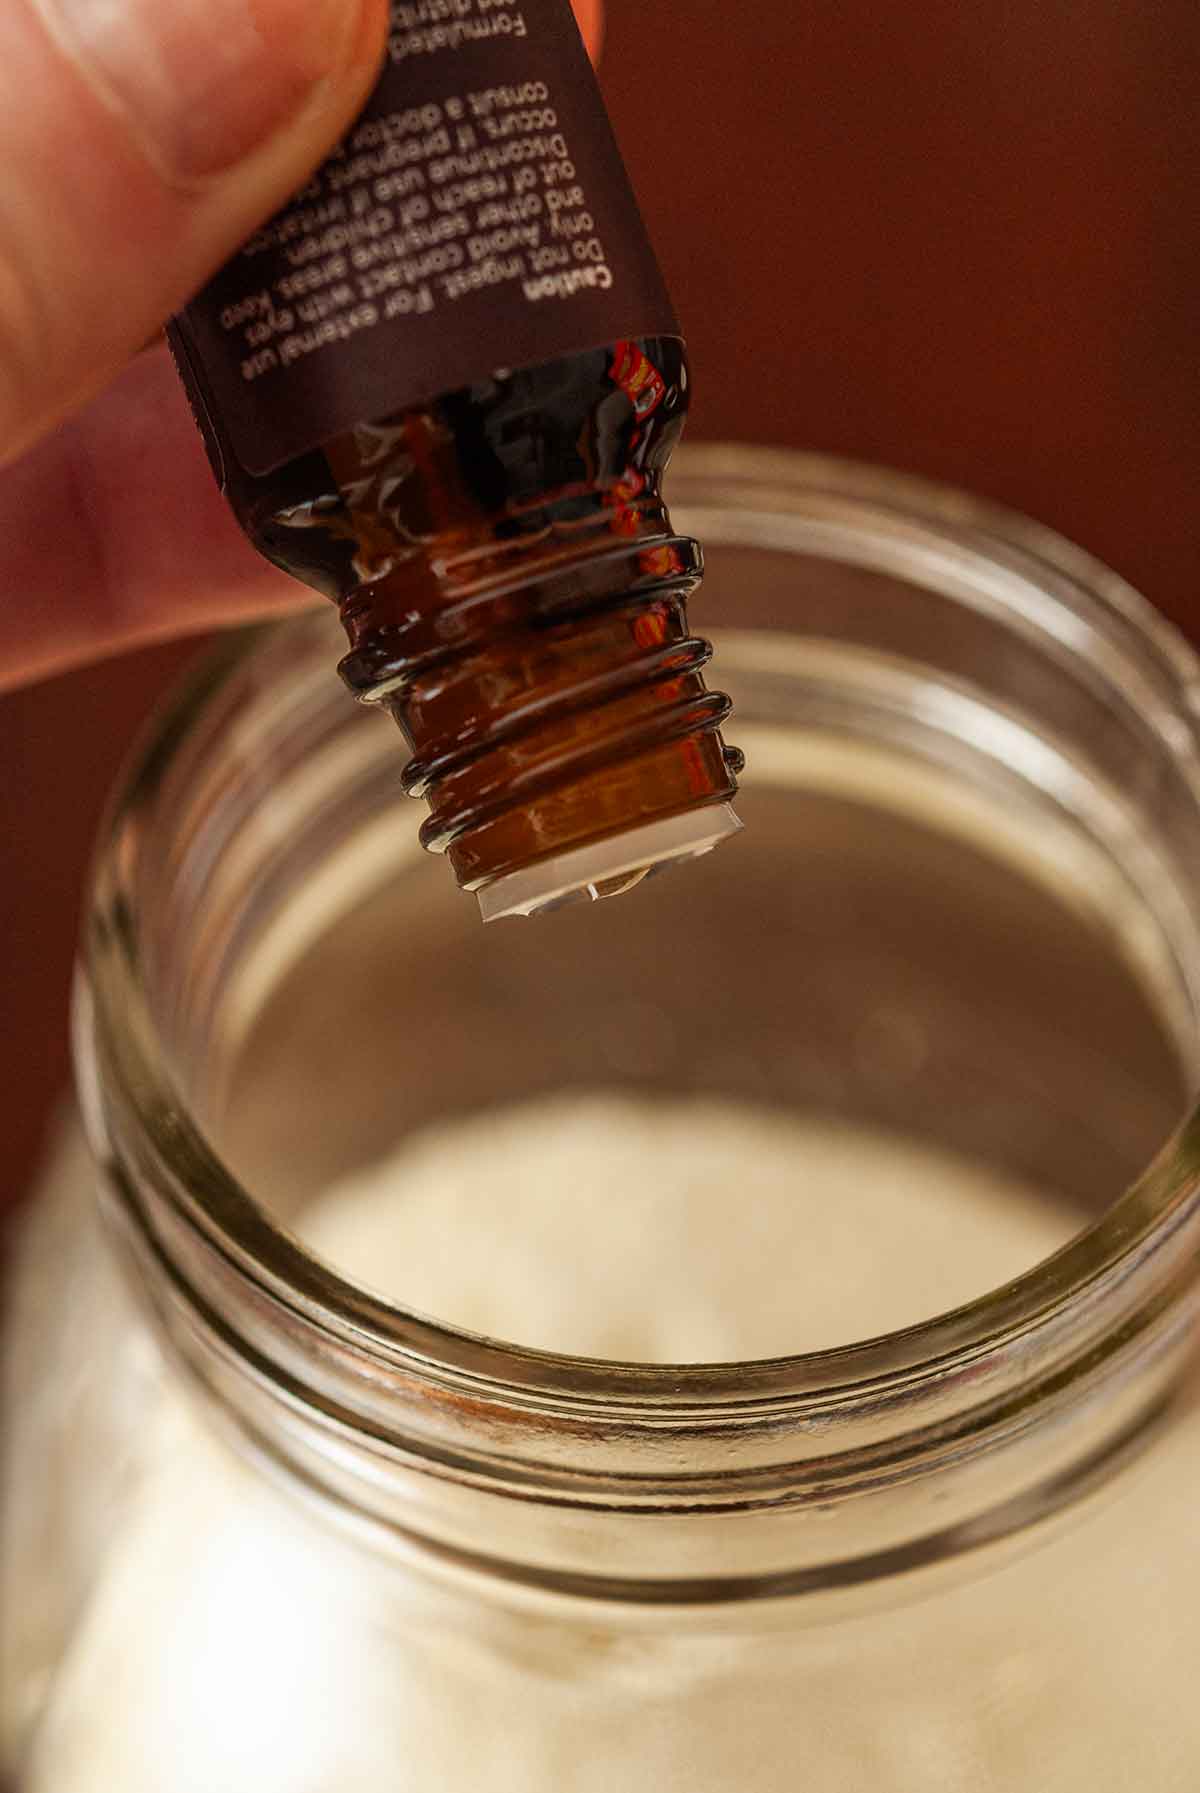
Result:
[[204, 83]]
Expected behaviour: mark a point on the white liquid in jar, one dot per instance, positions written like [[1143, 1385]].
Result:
[[230, 1644], [679, 1231]]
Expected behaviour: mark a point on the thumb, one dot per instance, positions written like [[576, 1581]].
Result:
[[142, 140]]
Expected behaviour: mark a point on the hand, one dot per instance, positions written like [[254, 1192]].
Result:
[[142, 141]]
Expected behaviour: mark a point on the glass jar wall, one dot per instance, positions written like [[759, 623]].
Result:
[[736, 1333]]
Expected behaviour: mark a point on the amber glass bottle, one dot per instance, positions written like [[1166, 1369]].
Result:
[[501, 554]]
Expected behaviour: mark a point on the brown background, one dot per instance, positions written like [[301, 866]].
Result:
[[963, 238]]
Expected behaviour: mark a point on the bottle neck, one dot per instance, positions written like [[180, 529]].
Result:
[[554, 702], [515, 597]]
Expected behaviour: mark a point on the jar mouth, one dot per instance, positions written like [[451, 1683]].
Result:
[[215, 1238]]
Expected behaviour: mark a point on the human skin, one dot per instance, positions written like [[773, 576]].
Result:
[[142, 144]]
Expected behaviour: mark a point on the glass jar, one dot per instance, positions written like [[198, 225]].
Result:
[[735, 1336]]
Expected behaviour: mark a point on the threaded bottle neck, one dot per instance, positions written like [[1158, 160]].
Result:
[[514, 594], [562, 731]]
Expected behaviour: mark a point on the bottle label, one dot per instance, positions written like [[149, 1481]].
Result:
[[477, 218]]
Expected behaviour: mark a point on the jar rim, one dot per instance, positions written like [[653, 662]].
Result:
[[115, 1026]]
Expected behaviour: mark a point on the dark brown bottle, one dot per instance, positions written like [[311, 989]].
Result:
[[501, 555]]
